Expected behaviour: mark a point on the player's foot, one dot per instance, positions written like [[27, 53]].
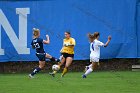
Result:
[[30, 76], [86, 68], [62, 75], [84, 76], [52, 74]]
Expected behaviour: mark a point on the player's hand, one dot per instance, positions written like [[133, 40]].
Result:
[[109, 38], [47, 36], [66, 44]]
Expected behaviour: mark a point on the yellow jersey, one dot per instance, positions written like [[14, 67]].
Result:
[[70, 48]]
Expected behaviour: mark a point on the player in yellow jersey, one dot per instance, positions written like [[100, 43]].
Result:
[[67, 53]]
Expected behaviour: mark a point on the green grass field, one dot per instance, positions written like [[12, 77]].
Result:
[[97, 82]]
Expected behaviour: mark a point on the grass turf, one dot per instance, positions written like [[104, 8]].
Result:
[[97, 82]]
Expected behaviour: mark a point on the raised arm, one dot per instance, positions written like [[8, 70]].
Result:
[[47, 41], [106, 44]]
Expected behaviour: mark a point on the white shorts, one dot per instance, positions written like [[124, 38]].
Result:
[[94, 59]]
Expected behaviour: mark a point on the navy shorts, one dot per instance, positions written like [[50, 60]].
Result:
[[41, 56]]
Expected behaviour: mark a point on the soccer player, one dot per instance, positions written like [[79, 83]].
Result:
[[95, 45], [37, 43], [67, 53]]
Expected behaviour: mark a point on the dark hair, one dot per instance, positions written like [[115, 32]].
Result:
[[67, 32], [96, 34], [92, 37]]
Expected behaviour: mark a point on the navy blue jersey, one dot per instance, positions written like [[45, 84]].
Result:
[[37, 43]]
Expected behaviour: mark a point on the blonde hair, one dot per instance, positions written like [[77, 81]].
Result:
[[36, 32], [92, 37]]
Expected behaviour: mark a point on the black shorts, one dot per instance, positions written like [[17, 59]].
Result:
[[41, 56], [65, 55]]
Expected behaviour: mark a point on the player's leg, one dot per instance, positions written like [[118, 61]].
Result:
[[88, 71], [96, 63], [62, 61], [90, 66], [94, 66], [68, 63], [37, 69], [41, 58], [87, 67], [60, 64], [52, 58]]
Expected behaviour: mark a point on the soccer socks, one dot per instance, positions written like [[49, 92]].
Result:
[[36, 70], [54, 72], [64, 72], [88, 71], [90, 66], [54, 59]]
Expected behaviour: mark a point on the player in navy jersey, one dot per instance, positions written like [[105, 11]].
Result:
[[37, 43]]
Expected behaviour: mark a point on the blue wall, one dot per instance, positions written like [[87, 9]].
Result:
[[118, 18], [138, 27]]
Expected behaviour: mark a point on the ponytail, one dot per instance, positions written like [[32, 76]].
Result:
[[92, 37]]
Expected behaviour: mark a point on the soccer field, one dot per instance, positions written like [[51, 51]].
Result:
[[97, 82]]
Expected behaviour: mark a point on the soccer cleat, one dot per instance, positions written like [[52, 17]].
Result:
[[84, 76], [61, 76], [30, 76], [52, 74]]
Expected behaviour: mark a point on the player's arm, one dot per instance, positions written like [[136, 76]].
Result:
[[47, 41], [106, 44], [33, 47]]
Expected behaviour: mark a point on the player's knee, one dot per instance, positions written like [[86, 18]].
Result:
[[66, 66], [42, 66]]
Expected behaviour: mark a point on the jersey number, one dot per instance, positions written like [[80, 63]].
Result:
[[36, 45], [93, 46]]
